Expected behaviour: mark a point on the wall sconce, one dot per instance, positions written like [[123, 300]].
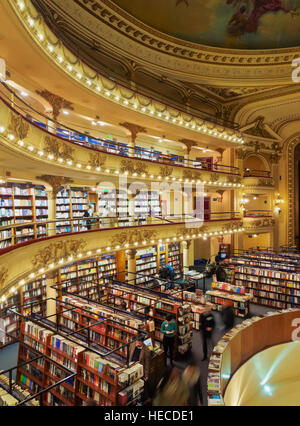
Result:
[[278, 203]]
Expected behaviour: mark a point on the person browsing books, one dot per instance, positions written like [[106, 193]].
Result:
[[169, 330], [138, 352]]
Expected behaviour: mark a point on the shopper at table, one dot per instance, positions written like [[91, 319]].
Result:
[[169, 330], [207, 322]]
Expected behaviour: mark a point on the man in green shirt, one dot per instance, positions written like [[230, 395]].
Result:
[[169, 330]]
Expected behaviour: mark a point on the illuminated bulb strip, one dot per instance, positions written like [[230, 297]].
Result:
[[192, 122]]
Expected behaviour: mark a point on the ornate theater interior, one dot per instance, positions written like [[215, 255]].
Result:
[[149, 178]]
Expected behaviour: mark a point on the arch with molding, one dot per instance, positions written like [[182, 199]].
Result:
[[258, 161]]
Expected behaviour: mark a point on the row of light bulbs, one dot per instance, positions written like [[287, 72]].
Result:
[[42, 271], [123, 101], [79, 166]]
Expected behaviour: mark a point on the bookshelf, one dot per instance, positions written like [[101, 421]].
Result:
[[88, 277], [15, 395], [22, 204], [198, 302], [175, 259], [10, 320], [269, 287], [224, 292], [63, 211], [161, 255], [146, 265], [155, 307], [35, 293], [89, 374], [79, 204]]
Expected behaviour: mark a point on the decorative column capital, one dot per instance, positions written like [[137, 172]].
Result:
[[134, 129], [57, 103], [188, 144], [56, 182], [132, 254]]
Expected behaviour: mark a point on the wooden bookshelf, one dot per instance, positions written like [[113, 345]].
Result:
[[99, 378], [222, 293], [22, 204], [273, 281], [175, 259]]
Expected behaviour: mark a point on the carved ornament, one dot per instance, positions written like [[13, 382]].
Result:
[[58, 148], [57, 251], [3, 276], [18, 126], [131, 237]]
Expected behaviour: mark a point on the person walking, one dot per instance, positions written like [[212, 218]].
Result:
[[207, 325], [169, 330], [191, 377], [227, 315]]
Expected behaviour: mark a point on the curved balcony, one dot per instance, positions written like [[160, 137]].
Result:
[[242, 344], [52, 249], [258, 181], [107, 87], [258, 220], [25, 130]]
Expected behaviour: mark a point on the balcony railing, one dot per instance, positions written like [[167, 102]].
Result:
[[29, 232], [258, 213], [257, 173], [47, 124]]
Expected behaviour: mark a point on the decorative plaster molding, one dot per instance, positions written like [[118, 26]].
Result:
[[3, 276], [58, 149], [132, 237], [57, 251], [18, 126]]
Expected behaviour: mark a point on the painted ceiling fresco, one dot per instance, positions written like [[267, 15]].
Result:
[[243, 24]]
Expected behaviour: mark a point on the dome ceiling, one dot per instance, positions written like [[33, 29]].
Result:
[[241, 24]]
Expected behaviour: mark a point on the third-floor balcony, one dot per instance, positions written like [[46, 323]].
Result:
[[258, 179]]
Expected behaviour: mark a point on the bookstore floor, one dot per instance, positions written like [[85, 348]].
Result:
[[9, 355]]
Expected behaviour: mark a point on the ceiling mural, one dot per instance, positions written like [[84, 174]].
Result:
[[243, 24]]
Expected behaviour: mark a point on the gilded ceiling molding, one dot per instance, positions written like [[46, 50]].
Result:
[[57, 148], [107, 12], [57, 251], [3, 276], [56, 182], [100, 85], [56, 102], [18, 126]]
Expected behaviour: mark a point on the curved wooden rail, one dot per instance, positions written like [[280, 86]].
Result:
[[246, 340]]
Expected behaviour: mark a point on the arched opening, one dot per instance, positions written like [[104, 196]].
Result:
[[256, 165]]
